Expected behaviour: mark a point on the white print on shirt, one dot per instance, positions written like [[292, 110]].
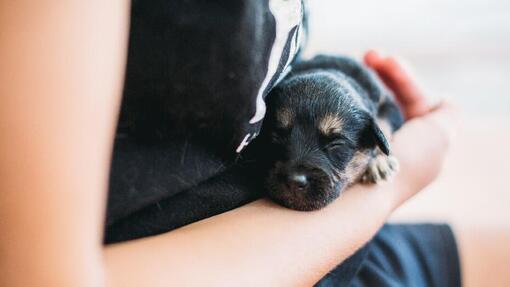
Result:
[[287, 14], [247, 139]]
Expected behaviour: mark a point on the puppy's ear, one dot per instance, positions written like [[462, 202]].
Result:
[[374, 136]]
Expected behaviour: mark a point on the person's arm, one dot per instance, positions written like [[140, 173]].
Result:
[[61, 77], [263, 244], [61, 70]]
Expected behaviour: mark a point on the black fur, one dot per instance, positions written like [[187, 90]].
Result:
[[310, 167], [151, 194]]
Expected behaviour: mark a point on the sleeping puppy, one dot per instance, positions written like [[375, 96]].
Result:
[[329, 124], [327, 127]]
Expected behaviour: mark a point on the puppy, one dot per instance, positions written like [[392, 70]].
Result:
[[328, 126]]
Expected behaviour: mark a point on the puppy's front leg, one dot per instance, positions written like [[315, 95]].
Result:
[[380, 168]]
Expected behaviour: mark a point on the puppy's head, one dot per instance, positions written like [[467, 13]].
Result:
[[321, 136]]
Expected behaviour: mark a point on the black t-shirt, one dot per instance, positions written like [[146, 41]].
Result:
[[197, 74], [205, 67]]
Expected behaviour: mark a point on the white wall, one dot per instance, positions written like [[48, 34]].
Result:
[[458, 47]]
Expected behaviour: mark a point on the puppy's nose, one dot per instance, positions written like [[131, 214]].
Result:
[[297, 182]]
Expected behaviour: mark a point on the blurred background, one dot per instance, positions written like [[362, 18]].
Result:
[[460, 49]]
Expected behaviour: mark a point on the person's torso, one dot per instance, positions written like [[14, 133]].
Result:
[[197, 75]]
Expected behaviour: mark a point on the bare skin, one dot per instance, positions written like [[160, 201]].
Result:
[[484, 252], [61, 72]]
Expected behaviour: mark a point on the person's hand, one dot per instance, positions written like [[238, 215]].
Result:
[[422, 143]]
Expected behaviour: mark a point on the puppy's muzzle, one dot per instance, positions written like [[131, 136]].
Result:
[[301, 187], [297, 182]]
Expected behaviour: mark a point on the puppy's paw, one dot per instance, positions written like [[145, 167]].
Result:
[[380, 168]]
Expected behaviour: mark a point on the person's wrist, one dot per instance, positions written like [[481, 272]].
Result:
[[391, 196], [382, 197]]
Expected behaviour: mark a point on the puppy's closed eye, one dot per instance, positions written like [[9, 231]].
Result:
[[278, 136], [337, 141], [326, 135]]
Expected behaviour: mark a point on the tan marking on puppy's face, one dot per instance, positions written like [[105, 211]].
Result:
[[355, 168], [285, 117], [330, 124]]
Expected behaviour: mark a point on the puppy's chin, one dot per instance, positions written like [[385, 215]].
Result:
[[321, 192]]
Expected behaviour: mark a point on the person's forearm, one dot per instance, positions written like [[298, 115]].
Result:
[[260, 244]]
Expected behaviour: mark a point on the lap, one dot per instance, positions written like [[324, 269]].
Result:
[[402, 255]]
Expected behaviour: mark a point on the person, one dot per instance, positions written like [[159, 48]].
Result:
[[55, 152]]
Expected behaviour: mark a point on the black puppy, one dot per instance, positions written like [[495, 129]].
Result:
[[321, 133], [328, 125]]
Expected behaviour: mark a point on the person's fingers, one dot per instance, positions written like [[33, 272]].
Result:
[[407, 92], [372, 59], [395, 76], [383, 67], [422, 143]]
